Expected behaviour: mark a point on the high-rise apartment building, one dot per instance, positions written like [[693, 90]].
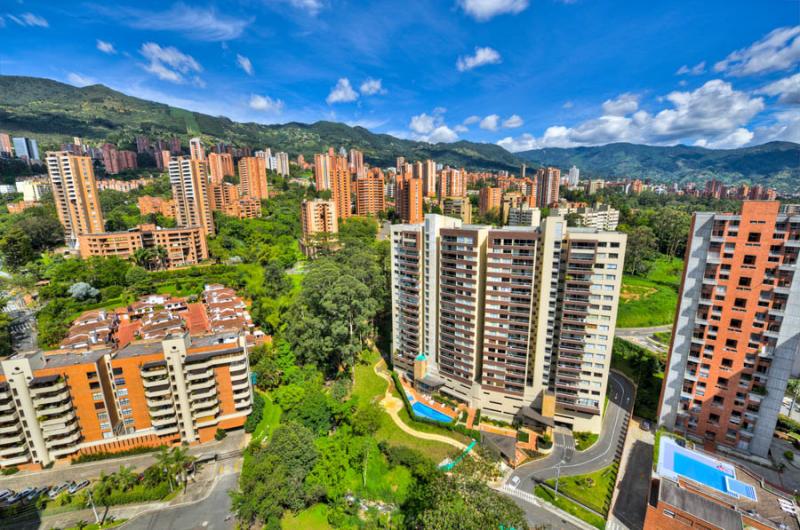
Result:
[[282, 164], [180, 389], [369, 193], [116, 161], [451, 183], [524, 215], [183, 245], [253, 177], [320, 224], [489, 199], [196, 149], [601, 216], [574, 176], [458, 207], [429, 178], [189, 182], [26, 148], [75, 194], [356, 160], [548, 180], [220, 165], [340, 186], [735, 338], [408, 198], [323, 163], [5, 146], [518, 321]]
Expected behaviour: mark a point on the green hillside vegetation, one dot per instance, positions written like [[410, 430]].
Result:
[[650, 300], [54, 112], [774, 164]]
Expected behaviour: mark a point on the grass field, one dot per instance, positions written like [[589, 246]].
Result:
[[650, 300], [570, 507], [369, 388], [584, 440], [270, 419], [312, 518], [593, 490]]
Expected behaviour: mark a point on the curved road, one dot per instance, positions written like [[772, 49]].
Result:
[[598, 456]]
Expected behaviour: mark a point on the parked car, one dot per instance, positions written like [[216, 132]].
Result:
[[4, 494], [514, 481], [36, 493], [645, 425], [79, 486], [55, 491], [19, 496]]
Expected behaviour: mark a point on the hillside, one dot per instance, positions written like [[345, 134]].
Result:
[[54, 112], [774, 164]]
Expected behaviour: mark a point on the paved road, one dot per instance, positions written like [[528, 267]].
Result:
[[538, 516], [92, 470], [633, 487], [600, 455], [213, 513], [644, 337], [643, 332]]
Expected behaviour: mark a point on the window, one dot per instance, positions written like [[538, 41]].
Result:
[[119, 381], [736, 323], [740, 303], [117, 371], [749, 260], [727, 363], [731, 343], [754, 237], [99, 406], [124, 401], [91, 375], [122, 392], [744, 281]]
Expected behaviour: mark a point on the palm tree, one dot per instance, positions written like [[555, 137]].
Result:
[[181, 459], [160, 256], [164, 463], [126, 477], [793, 388], [141, 257]]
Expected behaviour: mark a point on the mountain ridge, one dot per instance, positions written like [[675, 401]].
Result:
[[54, 112]]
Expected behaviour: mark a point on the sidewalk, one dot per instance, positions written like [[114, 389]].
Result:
[[637, 481], [65, 472]]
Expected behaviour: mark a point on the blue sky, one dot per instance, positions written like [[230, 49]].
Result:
[[521, 73]]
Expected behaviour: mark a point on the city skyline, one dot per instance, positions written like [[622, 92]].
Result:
[[520, 74]]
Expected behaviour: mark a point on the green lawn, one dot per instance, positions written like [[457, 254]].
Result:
[[312, 518], [664, 337], [593, 490], [584, 440], [270, 419], [651, 300], [570, 507], [370, 388]]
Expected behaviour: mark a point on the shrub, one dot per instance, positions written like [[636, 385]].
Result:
[[258, 412], [220, 434], [788, 455], [545, 442], [93, 457]]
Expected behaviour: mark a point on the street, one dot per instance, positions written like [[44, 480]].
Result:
[[212, 513], [598, 456], [643, 337]]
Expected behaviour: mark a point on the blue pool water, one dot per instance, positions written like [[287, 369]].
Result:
[[700, 472], [424, 411]]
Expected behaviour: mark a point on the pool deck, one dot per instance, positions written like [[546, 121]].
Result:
[[447, 411]]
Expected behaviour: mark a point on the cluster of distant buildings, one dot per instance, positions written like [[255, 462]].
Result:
[[199, 187]]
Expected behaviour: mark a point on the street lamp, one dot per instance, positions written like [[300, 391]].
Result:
[[558, 473]]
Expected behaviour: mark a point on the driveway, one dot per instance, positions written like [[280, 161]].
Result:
[[212, 513], [600, 455]]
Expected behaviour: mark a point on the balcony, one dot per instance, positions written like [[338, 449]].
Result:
[[155, 403], [47, 399], [157, 372], [50, 411], [14, 461], [754, 397], [14, 438], [241, 386], [53, 430], [61, 420], [8, 429], [58, 385], [203, 374], [198, 385], [5, 407], [14, 450], [57, 453], [203, 414], [153, 393], [160, 422], [162, 411], [69, 439], [151, 383]]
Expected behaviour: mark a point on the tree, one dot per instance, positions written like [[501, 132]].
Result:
[[367, 420], [16, 248], [671, 227], [641, 250], [82, 291], [793, 389]]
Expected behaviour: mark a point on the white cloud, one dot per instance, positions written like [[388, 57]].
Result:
[[786, 127], [265, 104], [712, 113], [482, 56], [29, 19], [621, 105], [169, 63], [197, 23], [697, 69], [778, 50], [461, 128], [244, 63], [472, 119], [431, 128], [105, 47], [80, 80], [312, 7], [512, 122], [483, 10], [371, 87], [734, 139], [342, 93], [567, 105], [787, 89], [490, 122]]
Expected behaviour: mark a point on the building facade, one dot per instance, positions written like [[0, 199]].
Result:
[[489, 199], [735, 340], [189, 180], [408, 198], [508, 319], [369, 193], [253, 177], [548, 180], [75, 194]]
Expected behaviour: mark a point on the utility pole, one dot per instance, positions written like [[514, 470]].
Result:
[[558, 474], [94, 510]]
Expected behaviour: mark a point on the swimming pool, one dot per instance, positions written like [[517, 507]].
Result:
[[700, 472], [424, 411]]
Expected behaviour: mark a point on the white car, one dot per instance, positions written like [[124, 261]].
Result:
[[514, 481]]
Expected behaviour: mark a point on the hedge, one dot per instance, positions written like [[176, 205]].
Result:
[[254, 418], [93, 457], [452, 426]]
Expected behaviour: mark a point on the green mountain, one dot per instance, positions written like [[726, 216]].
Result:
[[775, 164], [54, 112]]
